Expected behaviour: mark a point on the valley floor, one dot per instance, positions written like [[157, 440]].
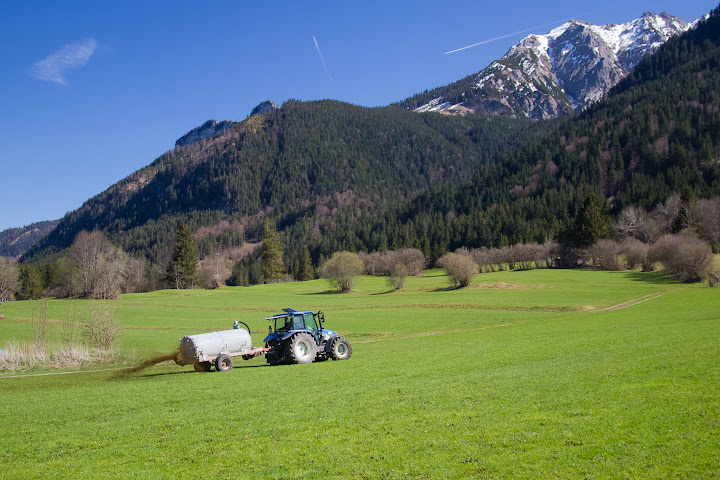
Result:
[[535, 374]]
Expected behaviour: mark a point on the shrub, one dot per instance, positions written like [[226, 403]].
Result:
[[604, 254], [636, 254], [341, 269], [413, 259], [397, 276], [214, 271], [384, 263], [101, 327], [373, 262], [460, 268], [684, 257]]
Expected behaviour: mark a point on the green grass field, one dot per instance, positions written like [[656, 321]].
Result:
[[537, 374]]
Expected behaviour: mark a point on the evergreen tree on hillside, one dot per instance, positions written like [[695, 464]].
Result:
[[304, 269], [273, 267], [592, 223], [31, 286], [183, 266]]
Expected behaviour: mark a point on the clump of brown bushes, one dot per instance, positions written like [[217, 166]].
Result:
[[683, 257], [85, 338], [460, 267]]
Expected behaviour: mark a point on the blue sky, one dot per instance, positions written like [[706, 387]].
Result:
[[92, 91]]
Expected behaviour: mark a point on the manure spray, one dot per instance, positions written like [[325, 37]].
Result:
[[146, 364]]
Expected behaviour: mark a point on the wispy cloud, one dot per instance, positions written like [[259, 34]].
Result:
[[53, 67]]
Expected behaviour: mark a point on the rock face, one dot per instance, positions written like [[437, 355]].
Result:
[[265, 107], [207, 129], [569, 68]]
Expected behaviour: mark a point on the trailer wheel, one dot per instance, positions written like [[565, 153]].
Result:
[[202, 366], [341, 349], [223, 363], [301, 349]]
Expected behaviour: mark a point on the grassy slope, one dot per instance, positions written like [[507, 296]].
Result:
[[532, 382]]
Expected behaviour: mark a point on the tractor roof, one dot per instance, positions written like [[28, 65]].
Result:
[[288, 312]]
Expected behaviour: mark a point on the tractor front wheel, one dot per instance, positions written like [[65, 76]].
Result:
[[223, 363], [301, 349], [341, 349]]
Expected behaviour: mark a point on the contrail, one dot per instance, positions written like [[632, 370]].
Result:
[[504, 36], [321, 58]]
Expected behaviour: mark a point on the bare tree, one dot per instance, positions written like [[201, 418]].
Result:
[[135, 276], [70, 327], [634, 222], [214, 271], [666, 214], [710, 212], [551, 251], [101, 327], [111, 273], [102, 265], [9, 283], [40, 327]]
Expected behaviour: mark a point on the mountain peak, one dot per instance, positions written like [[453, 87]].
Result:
[[569, 68], [265, 107], [207, 129]]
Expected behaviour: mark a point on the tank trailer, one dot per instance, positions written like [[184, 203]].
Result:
[[293, 337]]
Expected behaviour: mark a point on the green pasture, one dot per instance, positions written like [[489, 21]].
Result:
[[540, 374]]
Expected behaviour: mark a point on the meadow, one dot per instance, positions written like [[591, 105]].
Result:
[[534, 374]]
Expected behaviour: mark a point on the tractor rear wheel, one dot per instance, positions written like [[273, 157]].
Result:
[[202, 366], [223, 363], [341, 349], [301, 349]]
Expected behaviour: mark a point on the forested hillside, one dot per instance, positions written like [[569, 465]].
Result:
[[334, 177], [657, 133], [307, 160], [16, 241]]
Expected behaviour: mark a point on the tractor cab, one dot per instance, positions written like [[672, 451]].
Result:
[[299, 337], [291, 321]]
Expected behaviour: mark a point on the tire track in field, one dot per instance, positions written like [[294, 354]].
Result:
[[634, 301], [443, 332]]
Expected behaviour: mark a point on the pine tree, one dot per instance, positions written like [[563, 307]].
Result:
[[31, 286], [592, 223], [183, 266], [273, 267], [304, 270]]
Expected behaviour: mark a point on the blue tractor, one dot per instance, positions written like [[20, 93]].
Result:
[[299, 337]]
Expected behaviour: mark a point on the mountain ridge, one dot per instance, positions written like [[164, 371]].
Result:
[[554, 74], [14, 242]]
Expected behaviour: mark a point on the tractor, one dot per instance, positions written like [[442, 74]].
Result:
[[299, 337]]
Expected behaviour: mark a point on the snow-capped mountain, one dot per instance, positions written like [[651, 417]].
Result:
[[544, 76]]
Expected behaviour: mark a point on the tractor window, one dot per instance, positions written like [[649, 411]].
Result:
[[298, 323], [310, 322], [283, 323]]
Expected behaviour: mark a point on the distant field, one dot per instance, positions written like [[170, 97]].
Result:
[[536, 374]]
